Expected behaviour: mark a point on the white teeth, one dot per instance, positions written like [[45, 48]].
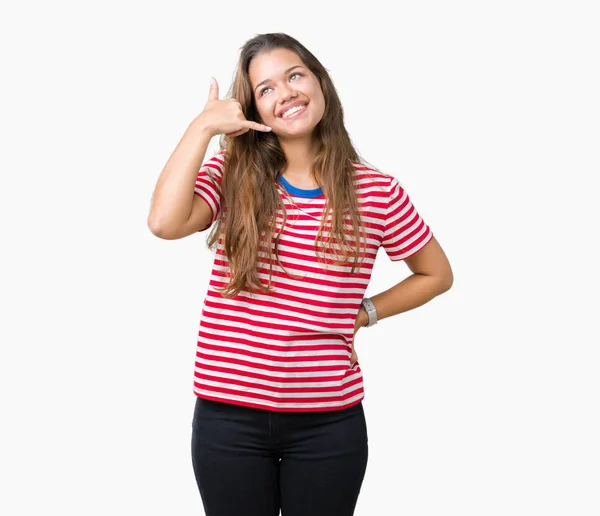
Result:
[[292, 111]]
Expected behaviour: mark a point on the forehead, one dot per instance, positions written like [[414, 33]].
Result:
[[272, 64]]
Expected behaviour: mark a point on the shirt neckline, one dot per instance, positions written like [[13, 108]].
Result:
[[299, 192]]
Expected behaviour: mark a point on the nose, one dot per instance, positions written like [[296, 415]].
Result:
[[286, 93]]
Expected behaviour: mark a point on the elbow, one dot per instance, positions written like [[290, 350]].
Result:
[[447, 285], [446, 281], [157, 229], [442, 281], [154, 226]]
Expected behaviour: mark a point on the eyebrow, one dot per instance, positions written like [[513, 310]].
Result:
[[284, 73]]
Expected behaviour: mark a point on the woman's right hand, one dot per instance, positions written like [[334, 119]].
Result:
[[225, 116]]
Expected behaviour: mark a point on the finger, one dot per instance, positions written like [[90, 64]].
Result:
[[257, 127], [213, 93], [237, 133]]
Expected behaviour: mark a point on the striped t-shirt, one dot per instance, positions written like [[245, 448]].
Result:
[[290, 350]]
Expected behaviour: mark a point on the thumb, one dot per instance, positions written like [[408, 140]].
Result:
[[214, 89]]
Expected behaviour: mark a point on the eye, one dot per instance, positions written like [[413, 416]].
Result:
[[262, 92]]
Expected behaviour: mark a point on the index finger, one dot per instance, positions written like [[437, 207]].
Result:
[[257, 127]]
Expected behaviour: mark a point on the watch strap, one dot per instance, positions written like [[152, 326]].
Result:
[[370, 309]]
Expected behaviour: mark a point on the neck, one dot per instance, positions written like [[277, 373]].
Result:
[[300, 155]]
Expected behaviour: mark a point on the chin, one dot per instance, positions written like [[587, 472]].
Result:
[[300, 130]]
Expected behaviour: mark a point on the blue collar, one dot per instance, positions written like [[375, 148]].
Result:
[[299, 192]]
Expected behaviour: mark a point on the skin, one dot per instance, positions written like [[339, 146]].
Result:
[[432, 274], [296, 136], [174, 216], [275, 87]]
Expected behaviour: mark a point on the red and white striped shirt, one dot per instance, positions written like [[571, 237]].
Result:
[[290, 350]]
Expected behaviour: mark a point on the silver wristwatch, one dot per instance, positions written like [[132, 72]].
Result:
[[371, 312]]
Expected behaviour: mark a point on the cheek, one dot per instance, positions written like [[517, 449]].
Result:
[[265, 109], [320, 101], [317, 95]]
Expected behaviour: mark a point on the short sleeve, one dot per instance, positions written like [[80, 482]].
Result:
[[405, 232], [208, 185]]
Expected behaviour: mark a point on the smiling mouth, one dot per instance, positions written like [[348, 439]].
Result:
[[292, 113]]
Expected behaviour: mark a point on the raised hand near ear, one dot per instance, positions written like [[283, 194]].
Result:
[[225, 116]]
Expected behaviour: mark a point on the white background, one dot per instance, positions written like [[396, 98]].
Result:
[[484, 401]]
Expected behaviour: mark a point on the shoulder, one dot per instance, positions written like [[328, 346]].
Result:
[[219, 157], [368, 177], [216, 162]]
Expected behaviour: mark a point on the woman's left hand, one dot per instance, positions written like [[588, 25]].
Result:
[[354, 356], [361, 319]]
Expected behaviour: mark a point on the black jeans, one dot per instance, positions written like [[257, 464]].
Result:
[[254, 462]]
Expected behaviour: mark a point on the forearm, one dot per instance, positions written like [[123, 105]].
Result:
[[413, 291], [174, 192]]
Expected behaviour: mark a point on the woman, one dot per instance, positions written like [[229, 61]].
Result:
[[297, 218]]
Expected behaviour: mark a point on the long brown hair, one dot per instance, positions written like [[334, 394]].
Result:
[[252, 161]]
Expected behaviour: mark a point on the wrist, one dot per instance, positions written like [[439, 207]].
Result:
[[371, 311], [200, 127], [363, 317]]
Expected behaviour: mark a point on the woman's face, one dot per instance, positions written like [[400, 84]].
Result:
[[280, 81]]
